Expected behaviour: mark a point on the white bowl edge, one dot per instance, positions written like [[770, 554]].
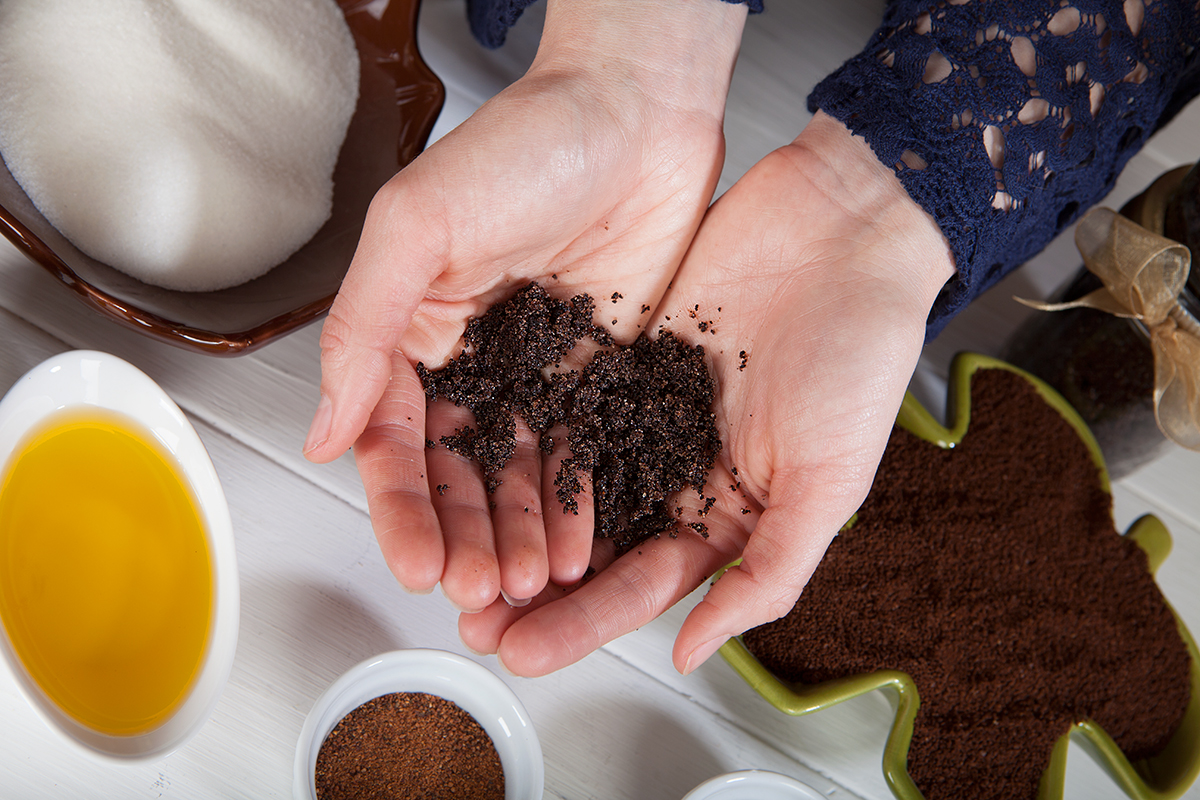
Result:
[[93, 378]]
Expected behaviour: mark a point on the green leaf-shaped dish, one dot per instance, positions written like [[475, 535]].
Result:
[[1163, 777]]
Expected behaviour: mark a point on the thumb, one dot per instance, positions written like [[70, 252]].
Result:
[[388, 277], [780, 557]]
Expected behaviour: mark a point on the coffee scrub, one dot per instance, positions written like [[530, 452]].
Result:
[[409, 746], [992, 574], [638, 417]]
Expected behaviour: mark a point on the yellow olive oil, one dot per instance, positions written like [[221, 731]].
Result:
[[106, 580]]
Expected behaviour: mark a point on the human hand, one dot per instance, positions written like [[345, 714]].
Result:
[[589, 173], [818, 267]]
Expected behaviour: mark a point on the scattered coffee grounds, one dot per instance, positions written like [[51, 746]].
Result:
[[993, 575], [408, 746], [500, 373], [638, 416]]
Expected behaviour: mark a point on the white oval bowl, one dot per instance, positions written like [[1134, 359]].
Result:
[[83, 378], [472, 687], [753, 784]]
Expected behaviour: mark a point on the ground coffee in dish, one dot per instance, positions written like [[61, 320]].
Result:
[[993, 575], [189, 143], [639, 417], [408, 746]]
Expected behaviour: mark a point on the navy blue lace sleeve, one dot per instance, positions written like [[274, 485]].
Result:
[[491, 19], [1007, 119]]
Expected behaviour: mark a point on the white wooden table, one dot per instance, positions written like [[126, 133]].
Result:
[[317, 598]]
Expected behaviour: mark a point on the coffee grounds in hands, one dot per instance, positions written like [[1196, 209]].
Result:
[[408, 746], [992, 574], [638, 417]]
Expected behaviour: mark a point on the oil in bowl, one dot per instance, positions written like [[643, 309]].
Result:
[[118, 589], [106, 580]]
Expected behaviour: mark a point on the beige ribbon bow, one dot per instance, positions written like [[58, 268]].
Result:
[[1143, 274]]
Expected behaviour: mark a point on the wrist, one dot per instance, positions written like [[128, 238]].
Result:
[[678, 53], [867, 200]]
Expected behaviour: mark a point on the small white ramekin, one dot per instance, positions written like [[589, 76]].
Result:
[[753, 784], [472, 687]]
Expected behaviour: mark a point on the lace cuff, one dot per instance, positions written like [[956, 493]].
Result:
[[1006, 120], [491, 19]]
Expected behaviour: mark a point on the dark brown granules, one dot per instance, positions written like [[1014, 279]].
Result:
[[500, 373], [638, 417], [408, 746], [993, 575]]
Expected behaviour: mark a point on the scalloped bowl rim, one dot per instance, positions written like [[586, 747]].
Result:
[[1181, 759], [216, 323]]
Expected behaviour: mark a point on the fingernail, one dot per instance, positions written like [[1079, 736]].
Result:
[[701, 653], [472, 650], [462, 609], [512, 601], [504, 667], [318, 431]]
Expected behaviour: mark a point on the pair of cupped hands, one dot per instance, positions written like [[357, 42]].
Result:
[[594, 173]]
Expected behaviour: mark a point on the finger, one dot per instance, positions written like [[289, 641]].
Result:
[[390, 455], [384, 284], [781, 555], [483, 631], [569, 531], [517, 521], [471, 579], [626, 595]]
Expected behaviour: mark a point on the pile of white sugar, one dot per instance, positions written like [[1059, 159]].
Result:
[[188, 143]]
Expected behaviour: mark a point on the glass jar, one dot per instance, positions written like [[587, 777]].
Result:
[[1103, 364]]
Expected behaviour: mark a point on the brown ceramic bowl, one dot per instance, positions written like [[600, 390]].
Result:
[[399, 101]]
